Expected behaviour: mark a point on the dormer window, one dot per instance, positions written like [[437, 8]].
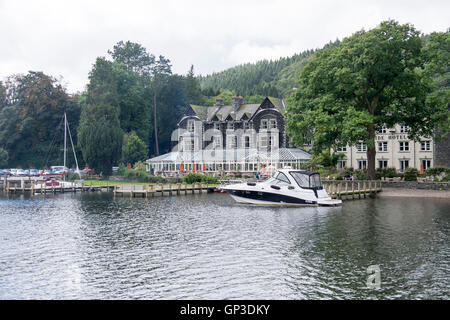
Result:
[[246, 125], [404, 129], [216, 125], [191, 126], [272, 124], [264, 124], [230, 125]]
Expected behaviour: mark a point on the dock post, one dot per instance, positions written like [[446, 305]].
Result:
[[359, 191], [346, 189], [364, 189], [353, 190], [339, 190], [32, 187]]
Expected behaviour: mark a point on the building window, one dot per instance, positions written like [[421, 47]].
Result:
[[361, 147], [217, 125], [342, 149], [383, 129], [342, 164], [382, 146], [189, 145], [404, 164], [246, 125], [232, 142], [382, 164], [264, 124], [216, 142], [404, 146], [230, 125], [426, 164], [425, 145], [362, 164], [404, 129], [246, 142], [263, 142], [191, 125], [272, 124]]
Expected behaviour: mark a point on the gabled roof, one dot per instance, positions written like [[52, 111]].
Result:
[[225, 113]]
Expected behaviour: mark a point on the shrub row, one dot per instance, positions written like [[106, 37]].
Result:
[[198, 177]]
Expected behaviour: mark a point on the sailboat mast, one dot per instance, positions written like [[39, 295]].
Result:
[[65, 144]]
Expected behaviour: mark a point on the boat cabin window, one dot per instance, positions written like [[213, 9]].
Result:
[[279, 179], [307, 180], [282, 177]]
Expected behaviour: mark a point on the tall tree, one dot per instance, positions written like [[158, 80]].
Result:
[[371, 79], [99, 133], [160, 74], [193, 90], [133, 56]]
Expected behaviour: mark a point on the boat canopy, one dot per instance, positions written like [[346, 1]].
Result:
[[307, 179]]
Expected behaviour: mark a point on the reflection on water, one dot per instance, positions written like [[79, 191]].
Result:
[[92, 246]]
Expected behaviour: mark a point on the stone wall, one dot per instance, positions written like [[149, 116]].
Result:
[[416, 185], [442, 152]]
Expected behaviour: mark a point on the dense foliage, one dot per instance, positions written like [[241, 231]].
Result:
[[134, 149], [32, 107], [274, 78]]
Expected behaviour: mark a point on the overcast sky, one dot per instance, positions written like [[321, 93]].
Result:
[[64, 37]]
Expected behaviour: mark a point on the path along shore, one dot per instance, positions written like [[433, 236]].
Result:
[[414, 193]]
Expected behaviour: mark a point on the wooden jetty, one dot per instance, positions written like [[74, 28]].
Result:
[[17, 185], [152, 190], [342, 189]]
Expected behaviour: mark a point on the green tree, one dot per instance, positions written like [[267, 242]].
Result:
[[3, 158], [373, 78], [99, 133], [160, 74], [30, 119], [193, 90], [134, 149]]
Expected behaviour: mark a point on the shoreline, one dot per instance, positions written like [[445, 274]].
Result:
[[414, 193]]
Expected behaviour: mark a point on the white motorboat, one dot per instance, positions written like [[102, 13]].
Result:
[[288, 187]]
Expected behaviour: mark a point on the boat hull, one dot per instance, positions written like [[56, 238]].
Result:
[[268, 198]]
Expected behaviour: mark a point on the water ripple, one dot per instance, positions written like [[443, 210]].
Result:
[[92, 246]]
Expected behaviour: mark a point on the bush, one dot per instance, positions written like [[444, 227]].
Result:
[[139, 175], [361, 175], [410, 174], [140, 166], [437, 171], [198, 177]]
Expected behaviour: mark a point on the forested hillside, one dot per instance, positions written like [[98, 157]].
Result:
[[275, 78]]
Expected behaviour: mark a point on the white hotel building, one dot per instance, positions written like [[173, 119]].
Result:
[[393, 149]]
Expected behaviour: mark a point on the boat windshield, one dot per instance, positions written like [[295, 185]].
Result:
[[307, 180], [279, 179]]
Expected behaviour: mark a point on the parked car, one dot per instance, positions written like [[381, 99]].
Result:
[[20, 173], [3, 173], [88, 171], [34, 172]]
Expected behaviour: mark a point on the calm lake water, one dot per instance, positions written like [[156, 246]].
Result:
[[90, 246]]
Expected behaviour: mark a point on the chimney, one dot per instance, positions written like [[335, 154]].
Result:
[[237, 102], [219, 102]]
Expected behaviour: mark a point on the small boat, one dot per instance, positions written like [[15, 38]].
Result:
[[287, 187]]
